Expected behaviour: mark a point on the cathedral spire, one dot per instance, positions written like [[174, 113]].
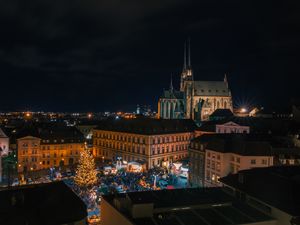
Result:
[[225, 78], [171, 84], [184, 56], [189, 53]]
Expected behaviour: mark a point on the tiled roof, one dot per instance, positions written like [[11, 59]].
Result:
[[211, 88], [52, 134], [148, 126], [172, 94]]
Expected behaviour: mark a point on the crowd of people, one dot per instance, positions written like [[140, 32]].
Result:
[[120, 182]]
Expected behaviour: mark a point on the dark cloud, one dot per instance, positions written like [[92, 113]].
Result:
[[111, 55]]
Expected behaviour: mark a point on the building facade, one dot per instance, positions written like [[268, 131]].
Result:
[[213, 156], [152, 142], [200, 98], [171, 104], [4, 143], [47, 149]]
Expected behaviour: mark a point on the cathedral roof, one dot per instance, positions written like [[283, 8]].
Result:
[[211, 88], [172, 94]]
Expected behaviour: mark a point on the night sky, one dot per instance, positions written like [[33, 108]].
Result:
[[95, 55]]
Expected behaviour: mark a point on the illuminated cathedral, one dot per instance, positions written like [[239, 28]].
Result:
[[195, 100]]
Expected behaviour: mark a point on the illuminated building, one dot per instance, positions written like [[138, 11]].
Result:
[[42, 148], [154, 142], [200, 98], [216, 155], [171, 104], [222, 127], [4, 143]]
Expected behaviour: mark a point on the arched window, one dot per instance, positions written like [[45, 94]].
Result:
[[225, 105]]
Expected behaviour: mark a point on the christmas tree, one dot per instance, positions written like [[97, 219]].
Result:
[[86, 174]]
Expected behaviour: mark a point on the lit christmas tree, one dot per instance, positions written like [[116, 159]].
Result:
[[86, 174]]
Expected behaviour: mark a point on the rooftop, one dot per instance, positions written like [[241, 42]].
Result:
[[276, 186], [222, 113], [47, 204], [148, 126], [257, 125], [52, 134], [211, 88], [195, 206]]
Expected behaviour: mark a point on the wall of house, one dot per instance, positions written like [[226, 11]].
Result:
[[153, 149]]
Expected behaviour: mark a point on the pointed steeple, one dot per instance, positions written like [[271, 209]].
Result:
[[189, 53], [184, 56], [225, 78], [171, 84]]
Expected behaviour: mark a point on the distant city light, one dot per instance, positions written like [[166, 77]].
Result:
[[243, 110]]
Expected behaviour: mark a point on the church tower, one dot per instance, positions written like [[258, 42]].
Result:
[[187, 72]]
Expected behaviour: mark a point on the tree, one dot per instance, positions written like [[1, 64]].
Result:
[[86, 174]]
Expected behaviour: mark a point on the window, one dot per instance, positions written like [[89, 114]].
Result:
[[213, 165], [208, 175], [264, 161], [238, 159], [253, 161]]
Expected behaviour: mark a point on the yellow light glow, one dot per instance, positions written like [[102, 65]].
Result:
[[243, 110]]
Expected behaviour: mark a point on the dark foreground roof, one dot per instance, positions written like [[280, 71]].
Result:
[[148, 126], [43, 204], [224, 113], [276, 186], [194, 206]]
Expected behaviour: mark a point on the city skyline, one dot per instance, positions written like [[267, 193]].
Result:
[[112, 56]]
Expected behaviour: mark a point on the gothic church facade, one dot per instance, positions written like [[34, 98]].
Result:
[[195, 100]]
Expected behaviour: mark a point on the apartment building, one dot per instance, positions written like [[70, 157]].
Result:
[[154, 142]]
